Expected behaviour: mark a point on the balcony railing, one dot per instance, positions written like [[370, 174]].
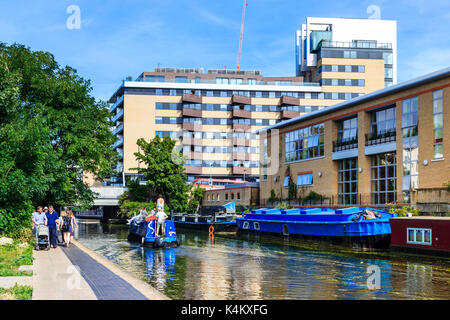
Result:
[[118, 143], [358, 45], [342, 145], [117, 116], [381, 137], [118, 129], [259, 83], [116, 104]]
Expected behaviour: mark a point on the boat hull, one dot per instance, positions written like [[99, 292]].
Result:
[[144, 233], [345, 226]]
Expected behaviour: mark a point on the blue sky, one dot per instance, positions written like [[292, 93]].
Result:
[[126, 37]]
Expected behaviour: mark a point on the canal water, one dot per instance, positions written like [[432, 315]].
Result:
[[248, 268]]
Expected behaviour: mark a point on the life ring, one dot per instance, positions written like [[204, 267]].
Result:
[[211, 230]]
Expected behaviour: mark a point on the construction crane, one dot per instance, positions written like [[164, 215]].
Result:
[[242, 34]]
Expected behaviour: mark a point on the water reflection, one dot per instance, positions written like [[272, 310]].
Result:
[[221, 268]]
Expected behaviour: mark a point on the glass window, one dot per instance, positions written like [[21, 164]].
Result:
[[304, 179], [286, 181], [383, 178], [438, 125], [180, 79]]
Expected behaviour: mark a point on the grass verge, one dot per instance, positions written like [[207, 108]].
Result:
[[16, 293], [12, 256]]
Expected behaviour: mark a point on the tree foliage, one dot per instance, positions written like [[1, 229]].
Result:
[[164, 175], [51, 131]]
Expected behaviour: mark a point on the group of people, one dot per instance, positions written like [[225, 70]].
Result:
[[66, 224], [159, 213]]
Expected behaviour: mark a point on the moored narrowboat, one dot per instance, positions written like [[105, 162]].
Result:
[[143, 231], [421, 235], [356, 226]]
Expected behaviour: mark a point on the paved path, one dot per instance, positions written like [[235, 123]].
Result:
[[105, 284], [9, 282], [55, 278], [78, 273]]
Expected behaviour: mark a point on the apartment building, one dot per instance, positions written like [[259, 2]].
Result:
[[340, 53], [212, 115], [388, 146]]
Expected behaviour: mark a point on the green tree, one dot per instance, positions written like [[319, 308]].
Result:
[[51, 132], [72, 128], [164, 176], [195, 202]]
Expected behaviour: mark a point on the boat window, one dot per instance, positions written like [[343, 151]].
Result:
[[419, 236], [256, 225]]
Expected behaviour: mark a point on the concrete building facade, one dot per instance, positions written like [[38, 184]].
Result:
[[389, 146]]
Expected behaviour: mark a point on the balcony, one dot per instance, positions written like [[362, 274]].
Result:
[[241, 127], [344, 149], [193, 170], [193, 155], [288, 114], [241, 156], [241, 142], [243, 100], [118, 129], [191, 98], [188, 141], [361, 45], [240, 113], [116, 104], [118, 116], [194, 113], [191, 126], [291, 101], [381, 142], [242, 170], [118, 143]]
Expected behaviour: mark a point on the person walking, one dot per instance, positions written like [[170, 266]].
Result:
[[52, 222], [66, 227], [39, 218], [74, 224]]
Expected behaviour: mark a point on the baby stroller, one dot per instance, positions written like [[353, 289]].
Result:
[[43, 240]]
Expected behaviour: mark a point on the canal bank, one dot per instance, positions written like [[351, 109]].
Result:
[[78, 273]]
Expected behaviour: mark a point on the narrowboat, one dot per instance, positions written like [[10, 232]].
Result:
[[219, 223], [421, 235], [143, 231], [356, 226], [223, 221]]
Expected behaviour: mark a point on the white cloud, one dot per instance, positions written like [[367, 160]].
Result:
[[424, 62]]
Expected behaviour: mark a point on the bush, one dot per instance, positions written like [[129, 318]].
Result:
[[402, 211], [283, 205], [313, 196], [16, 223]]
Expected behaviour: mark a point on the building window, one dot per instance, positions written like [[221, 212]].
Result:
[[410, 179], [383, 122], [179, 79], [410, 114], [286, 181], [348, 130], [306, 143], [348, 181], [238, 196], [419, 236], [265, 160], [154, 78], [305, 179], [384, 178], [232, 196], [438, 124], [226, 196]]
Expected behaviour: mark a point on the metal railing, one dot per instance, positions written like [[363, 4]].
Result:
[[381, 137], [261, 82], [357, 45], [341, 145]]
